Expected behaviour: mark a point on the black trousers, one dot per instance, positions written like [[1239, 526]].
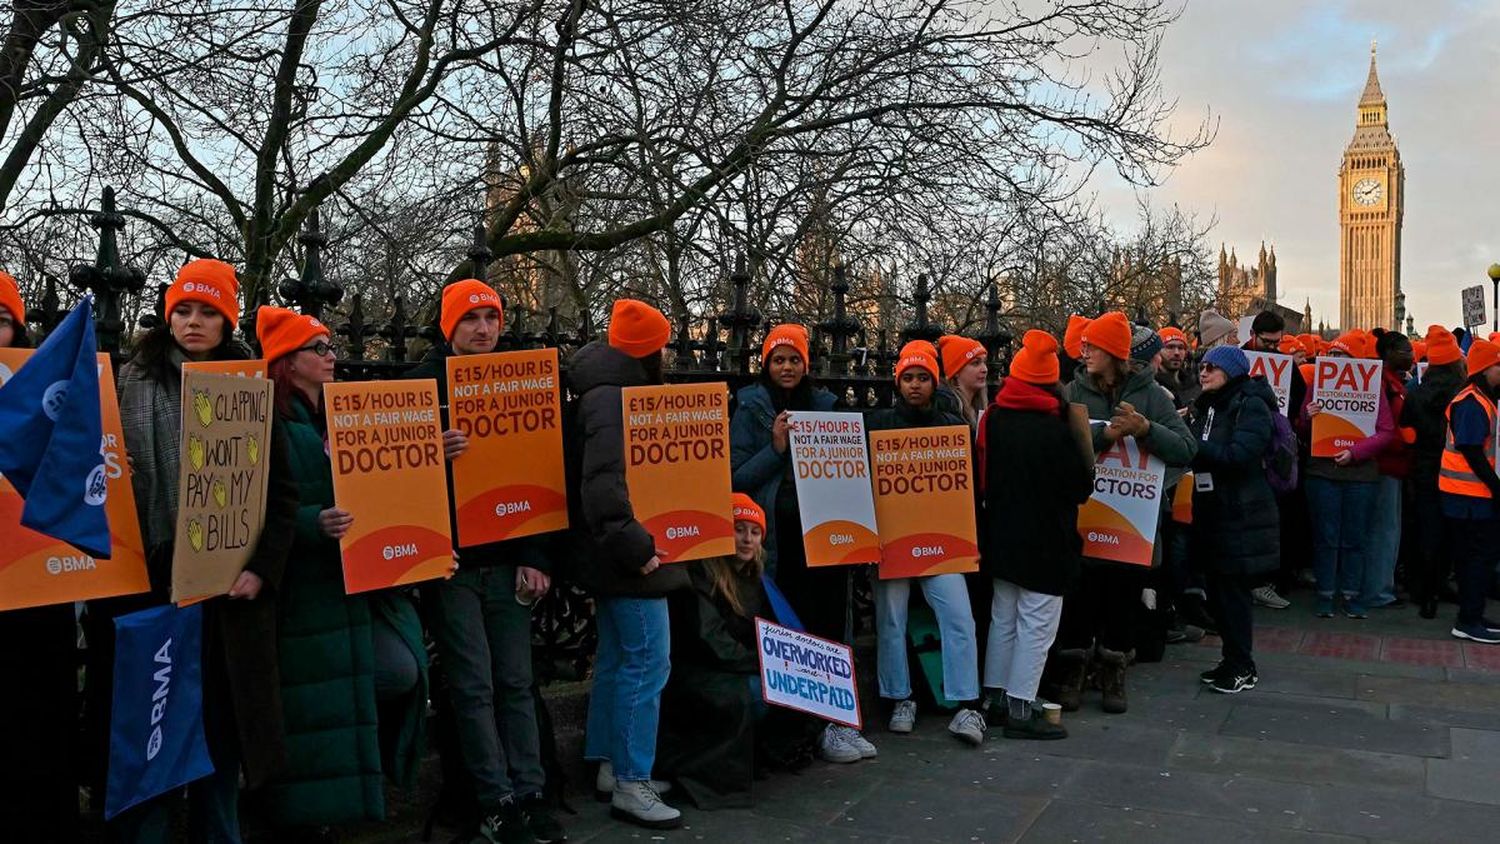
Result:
[[1229, 601], [1103, 608], [1475, 553], [1432, 556]]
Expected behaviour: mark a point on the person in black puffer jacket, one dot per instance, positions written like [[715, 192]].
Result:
[[1425, 412], [1236, 531]]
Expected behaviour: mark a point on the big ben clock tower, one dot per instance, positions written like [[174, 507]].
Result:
[[1372, 199]]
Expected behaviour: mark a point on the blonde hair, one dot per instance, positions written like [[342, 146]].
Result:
[[974, 407], [724, 574]]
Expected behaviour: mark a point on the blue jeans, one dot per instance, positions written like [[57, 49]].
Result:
[[630, 671], [1341, 513], [949, 598], [1385, 544]]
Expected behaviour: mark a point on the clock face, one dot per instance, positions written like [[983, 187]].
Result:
[[1367, 192]]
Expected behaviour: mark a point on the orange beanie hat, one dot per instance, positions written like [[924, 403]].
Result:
[[1442, 346], [637, 329], [282, 331], [958, 350], [1482, 355], [1351, 343], [1073, 337], [208, 282], [1289, 345], [10, 299], [1172, 334], [460, 297], [786, 334], [746, 510], [917, 353], [1036, 362], [1110, 333], [1494, 337], [1419, 349]]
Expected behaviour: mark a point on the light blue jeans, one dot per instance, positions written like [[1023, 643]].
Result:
[[630, 671], [1385, 544], [949, 599], [1341, 512]]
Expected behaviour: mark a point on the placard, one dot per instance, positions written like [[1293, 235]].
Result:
[[221, 480], [1349, 391], [510, 481], [1118, 522], [254, 368], [677, 467], [1473, 304], [1277, 370], [387, 453], [831, 466], [36, 569], [1244, 329], [924, 501], [803, 672]]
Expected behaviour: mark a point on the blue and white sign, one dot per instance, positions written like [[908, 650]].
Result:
[[806, 673]]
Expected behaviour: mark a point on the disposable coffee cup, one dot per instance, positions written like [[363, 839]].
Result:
[[1052, 712]]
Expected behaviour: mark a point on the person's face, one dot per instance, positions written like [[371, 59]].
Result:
[[1211, 378], [1400, 357], [477, 332], [916, 386], [310, 369], [196, 327], [1174, 355], [747, 539], [1096, 361], [972, 375], [786, 366], [1492, 376], [1269, 341], [8, 330]]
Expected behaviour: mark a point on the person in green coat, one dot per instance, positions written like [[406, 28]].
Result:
[[353, 667]]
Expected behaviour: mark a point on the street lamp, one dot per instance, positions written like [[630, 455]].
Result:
[[1494, 274]]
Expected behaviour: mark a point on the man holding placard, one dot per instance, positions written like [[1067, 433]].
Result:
[[481, 617]]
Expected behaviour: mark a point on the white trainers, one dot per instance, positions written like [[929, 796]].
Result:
[[1266, 596], [859, 742], [903, 717], [638, 803], [968, 726], [833, 746], [604, 783]]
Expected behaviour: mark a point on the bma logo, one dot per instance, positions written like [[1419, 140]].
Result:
[[53, 399], [59, 565], [94, 489], [476, 298], [392, 552], [196, 287], [163, 678]]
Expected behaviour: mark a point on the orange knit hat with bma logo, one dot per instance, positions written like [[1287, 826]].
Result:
[[746, 510], [1442, 346], [1111, 334], [786, 334], [283, 331], [1172, 334], [1073, 337], [917, 353], [637, 329], [460, 297], [208, 282], [1036, 362], [957, 351]]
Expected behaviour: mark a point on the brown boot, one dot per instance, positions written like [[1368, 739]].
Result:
[[1068, 668], [1110, 668]]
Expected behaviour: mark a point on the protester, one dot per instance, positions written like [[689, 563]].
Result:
[[916, 379], [1236, 533], [616, 559], [1470, 489], [1268, 334], [964, 363], [1035, 476], [1215, 330], [1182, 587], [718, 733], [1176, 373], [761, 459], [1341, 493], [347, 662], [481, 617], [1098, 616], [1425, 413], [1394, 464]]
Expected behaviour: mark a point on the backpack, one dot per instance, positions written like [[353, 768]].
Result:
[[1280, 460]]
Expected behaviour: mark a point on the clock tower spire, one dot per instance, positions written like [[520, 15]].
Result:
[[1372, 202]]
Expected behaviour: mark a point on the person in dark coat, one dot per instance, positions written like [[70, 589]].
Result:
[[242, 712], [717, 730], [1035, 475], [1425, 413], [615, 558], [1236, 534]]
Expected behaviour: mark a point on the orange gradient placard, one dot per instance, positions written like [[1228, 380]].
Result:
[[510, 481], [249, 368], [387, 453], [924, 501], [1348, 389], [35, 569], [677, 467], [831, 465], [1118, 522]]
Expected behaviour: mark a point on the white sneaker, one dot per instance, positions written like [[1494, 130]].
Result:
[[859, 742], [968, 726], [834, 747], [903, 717], [638, 803], [604, 783], [1266, 596]]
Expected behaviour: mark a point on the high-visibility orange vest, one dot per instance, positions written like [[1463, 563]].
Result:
[[1455, 475]]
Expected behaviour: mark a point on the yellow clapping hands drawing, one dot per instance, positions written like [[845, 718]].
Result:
[[219, 492], [252, 450], [203, 408], [195, 534], [196, 451]]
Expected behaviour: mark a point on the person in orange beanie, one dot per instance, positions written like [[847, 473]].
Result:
[[784, 356], [637, 329], [476, 302], [966, 374], [12, 314], [1442, 346], [1030, 530], [1469, 487], [790, 336], [1425, 415], [1419, 349], [1176, 372], [1110, 334], [210, 282]]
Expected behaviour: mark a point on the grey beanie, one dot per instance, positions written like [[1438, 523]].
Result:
[[1144, 343], [1213, 328]]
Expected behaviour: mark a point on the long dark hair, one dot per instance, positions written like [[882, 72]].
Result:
[[151, 350]]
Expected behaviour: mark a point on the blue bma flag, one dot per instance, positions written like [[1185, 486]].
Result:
[[53, 449], [156, 740]]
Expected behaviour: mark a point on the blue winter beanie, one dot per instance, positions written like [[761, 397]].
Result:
[[1231, 359]]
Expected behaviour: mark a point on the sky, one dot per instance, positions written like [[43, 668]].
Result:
[[1282, 79]]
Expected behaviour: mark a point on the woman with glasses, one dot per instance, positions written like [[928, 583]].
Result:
[[348, 662]]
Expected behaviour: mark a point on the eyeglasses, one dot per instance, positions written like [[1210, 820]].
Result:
[[1208, 367], [320, 348]]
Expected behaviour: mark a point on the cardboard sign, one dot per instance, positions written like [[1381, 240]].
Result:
[[36, 569], [1118, 522], [832, 472], [1277, 370], [221, 480], [387, 453], [924, 501], [806, 673], [1349, 391], [677, 467], [1473, 304], [246, 368], [510, 482]]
